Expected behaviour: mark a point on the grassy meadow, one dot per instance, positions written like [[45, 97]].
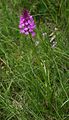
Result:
[[34, 72]]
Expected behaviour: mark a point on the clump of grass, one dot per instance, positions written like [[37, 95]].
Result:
[[34, 76]]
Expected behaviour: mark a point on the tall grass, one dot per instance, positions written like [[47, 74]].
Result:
[[34, 75]]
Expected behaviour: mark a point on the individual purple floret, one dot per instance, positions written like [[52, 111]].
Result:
[[26, 24]]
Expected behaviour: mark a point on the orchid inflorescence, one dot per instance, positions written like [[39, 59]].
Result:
[[27, 24]]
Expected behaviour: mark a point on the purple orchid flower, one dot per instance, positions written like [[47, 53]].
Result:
[[27, 24]]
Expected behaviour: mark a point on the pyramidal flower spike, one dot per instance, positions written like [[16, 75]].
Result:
[[27, 24]]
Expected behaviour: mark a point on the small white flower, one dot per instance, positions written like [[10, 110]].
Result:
[[54, 44], [56, 29], [44, 34], [36, 43]]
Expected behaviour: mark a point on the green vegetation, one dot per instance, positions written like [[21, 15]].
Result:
[[34, 75]]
